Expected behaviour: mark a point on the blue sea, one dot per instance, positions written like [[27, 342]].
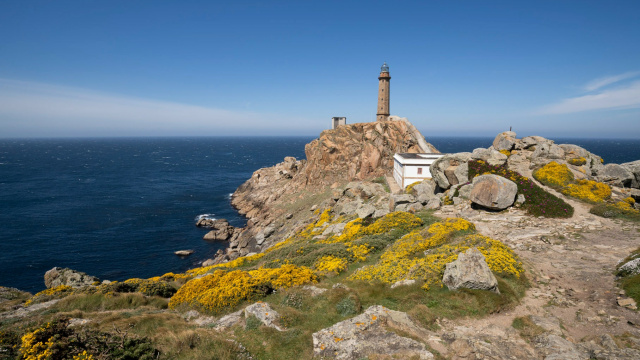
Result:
[[119, 208]]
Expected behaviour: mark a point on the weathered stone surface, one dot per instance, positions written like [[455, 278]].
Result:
[[7, 294], [365, 336], [314, 290], [470, 271], [616, 175], [628, 303], [183, 252], [365, 211], [445, 169], [65, 276], [403, 283], [493, 192], [221, 230], [557, 348], [465, 191], [630, 268], [634, 168], [397, 200], [505, 141], [547, 150], [263, 312], [229, 320], [334, 229]]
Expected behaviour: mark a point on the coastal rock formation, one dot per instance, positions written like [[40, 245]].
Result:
[[221, 230], [366, 335], [493, 192], [273, 198], [634, 167], [470, 271], [263, 312], [65, 276]]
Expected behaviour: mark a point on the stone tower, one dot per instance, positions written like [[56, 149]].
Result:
[[383, 93]]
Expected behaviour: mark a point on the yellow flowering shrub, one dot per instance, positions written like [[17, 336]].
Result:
[[505, 152], [83, 356], [579, 161], [424, 255], [223, 289], [588, 190], [331, 264], [554, 174], [359, 252], [37, 344], [56, 292], [630, 200]]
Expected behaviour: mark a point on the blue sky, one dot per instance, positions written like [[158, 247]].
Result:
[[182, 68]]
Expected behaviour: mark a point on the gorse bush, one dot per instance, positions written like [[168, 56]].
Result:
[[554, 175], [560, 177], [422, 255], [223, 289], [538, 202]]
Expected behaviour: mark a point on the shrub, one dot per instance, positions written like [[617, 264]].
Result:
[[620, 209], [588, 190], [537, 201], [554, 175], [150, 287], [505, 152], [56, 292], [223, 289], [577, 161], [331, 264]]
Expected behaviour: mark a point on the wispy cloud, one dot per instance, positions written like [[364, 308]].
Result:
[[619, 97], [608, 80], [29, 107]]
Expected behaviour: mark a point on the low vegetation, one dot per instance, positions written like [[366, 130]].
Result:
[[366, 257], [538, 202]]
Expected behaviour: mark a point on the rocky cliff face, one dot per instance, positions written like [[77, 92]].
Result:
[[347, 153]]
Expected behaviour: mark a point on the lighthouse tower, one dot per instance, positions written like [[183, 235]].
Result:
[[383, 93]]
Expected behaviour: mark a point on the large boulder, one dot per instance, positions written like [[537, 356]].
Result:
[[493, 192], [490, 155], [633, 167], [616, 175], [547, 151], [505, 141], [470, 271], [65, 276], [366, 336], [451, 169]]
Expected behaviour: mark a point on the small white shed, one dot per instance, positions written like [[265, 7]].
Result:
[[409, 168]]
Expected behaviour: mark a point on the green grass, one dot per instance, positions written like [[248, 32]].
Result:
[[102, 302], [527, 328], [382, 181], [538, 202]]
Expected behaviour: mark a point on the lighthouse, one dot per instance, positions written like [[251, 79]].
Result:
[[383, 93]]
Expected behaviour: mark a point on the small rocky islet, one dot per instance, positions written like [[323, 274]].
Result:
[[525, 249]]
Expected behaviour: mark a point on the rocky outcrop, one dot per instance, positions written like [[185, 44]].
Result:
[[493, 192], [65, 276], [634, 168], [273, 198], [366, 335], [220, 230], [263, 312], [451, 169], [470, 271], [615, 175]]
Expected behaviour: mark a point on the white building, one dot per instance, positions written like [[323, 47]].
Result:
[[338, 121], [409, 168]]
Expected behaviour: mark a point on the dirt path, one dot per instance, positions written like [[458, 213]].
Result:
[[570, 263]]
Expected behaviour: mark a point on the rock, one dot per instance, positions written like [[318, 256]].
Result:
[[445, 169], [465, 191], [366, 335], [59, 276], [615, 175], [334, 229], [433, 204], [406, 282], [73, 322], [426, 188], [230, 320], [314, 290], [470, 271], [629, 268], [520, 199], [634, 168], [557, 348], [547, 150], [365, 211], [263, 312], [493, 192], [628, 303], [550, 324], [7, 294], [184, 252], [530, 141], [221, 230], [505, 141]]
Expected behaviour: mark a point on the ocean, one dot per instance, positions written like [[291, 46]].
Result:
[[119, 208]]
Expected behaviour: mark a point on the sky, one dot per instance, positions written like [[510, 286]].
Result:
[[210, 68]]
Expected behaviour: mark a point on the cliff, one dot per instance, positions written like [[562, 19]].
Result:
[[348, 153]]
